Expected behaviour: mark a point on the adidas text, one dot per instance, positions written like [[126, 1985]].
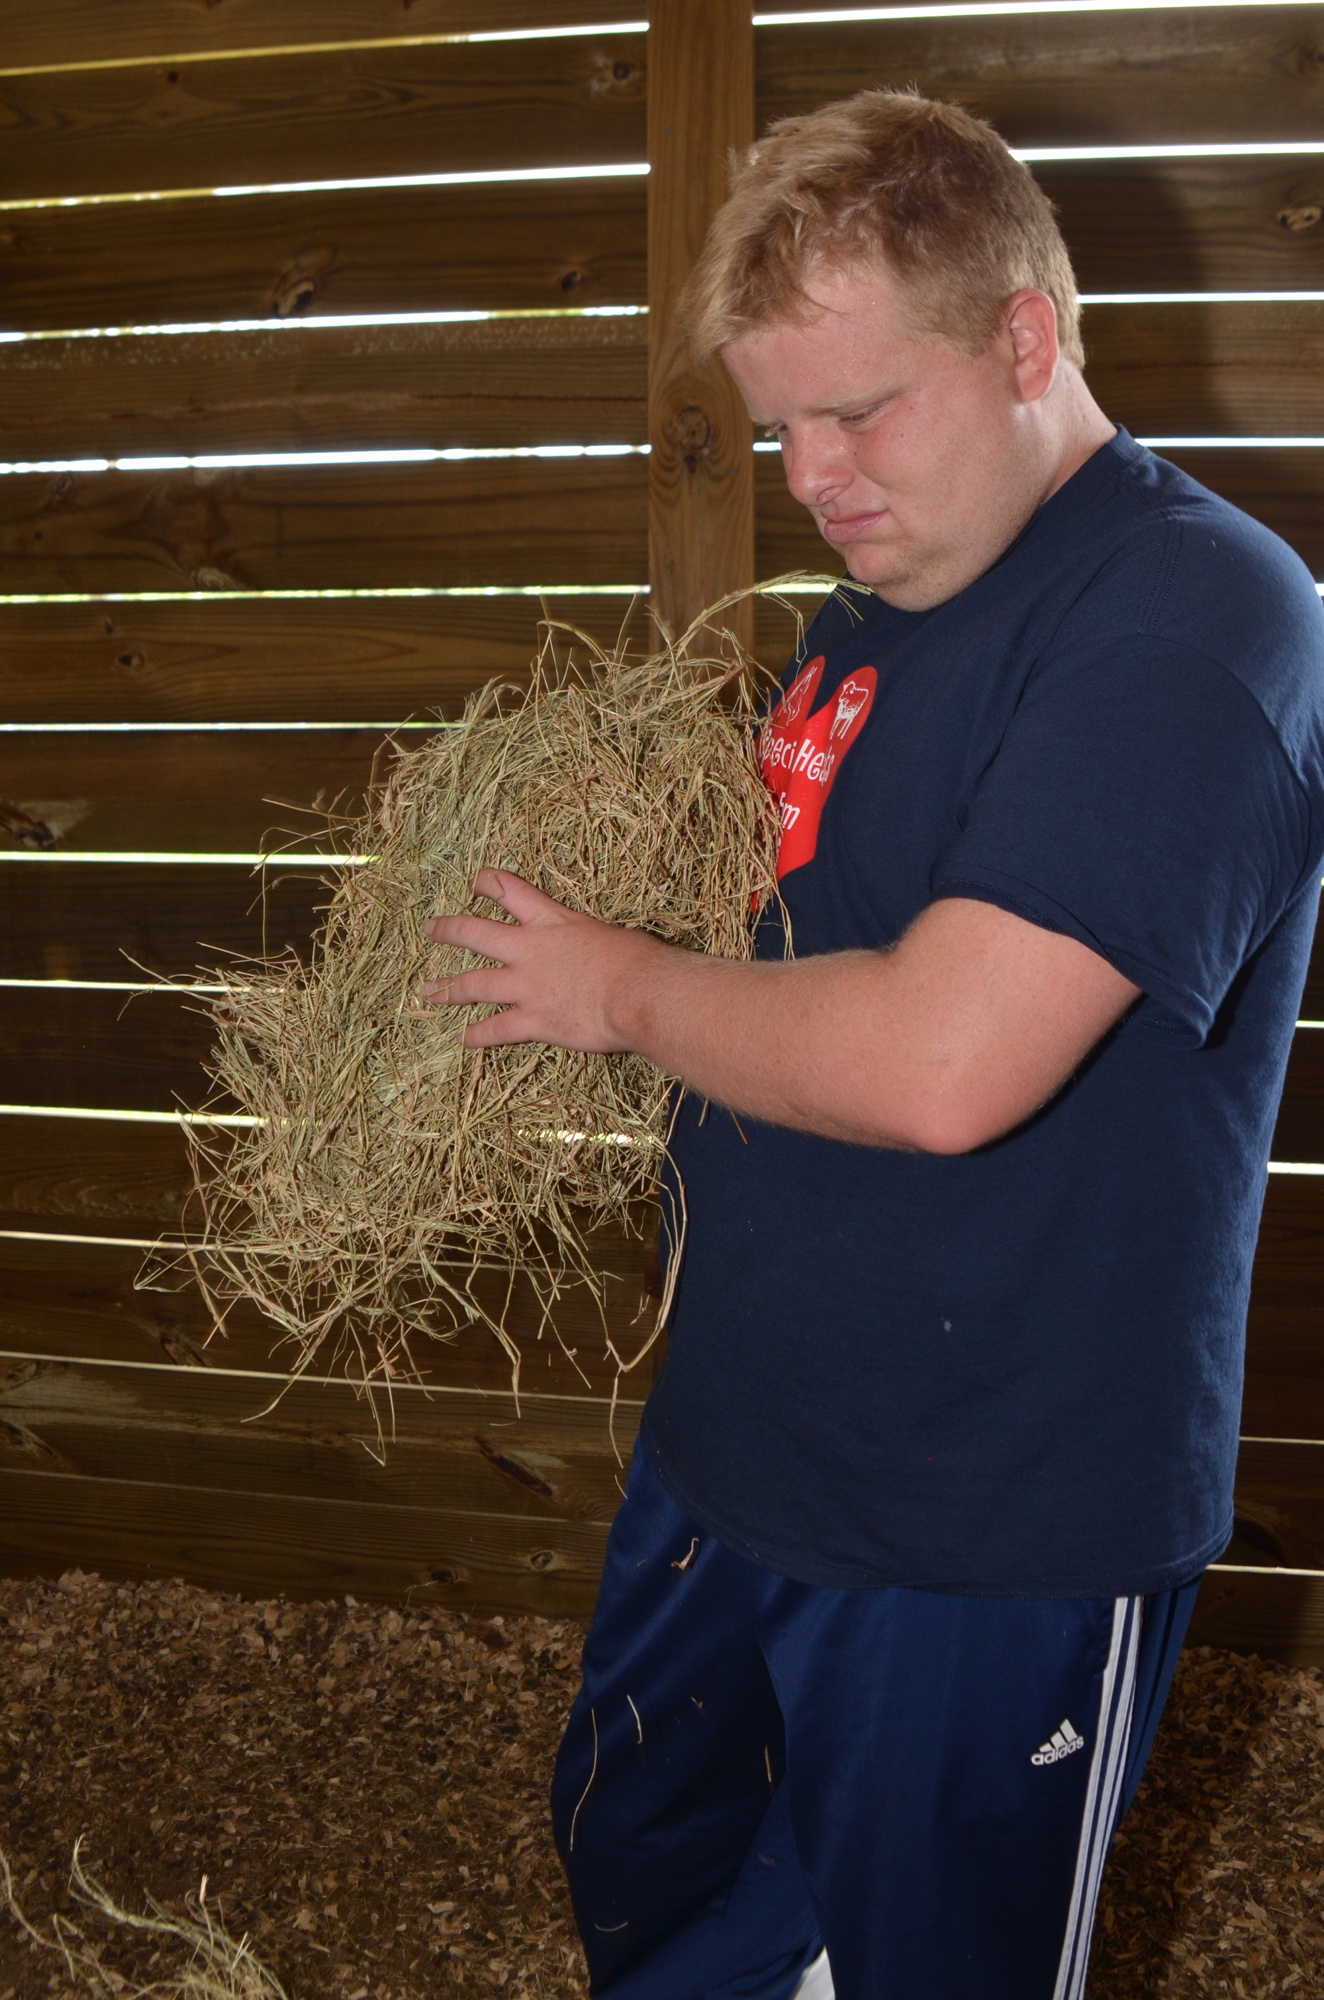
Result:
[[1061, 1743]]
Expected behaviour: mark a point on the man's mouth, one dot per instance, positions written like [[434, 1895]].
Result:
[[850, 527]]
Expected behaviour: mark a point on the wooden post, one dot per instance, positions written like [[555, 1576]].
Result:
[[701, 468]]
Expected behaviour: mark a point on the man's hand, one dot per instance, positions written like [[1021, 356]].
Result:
[[560, 976]]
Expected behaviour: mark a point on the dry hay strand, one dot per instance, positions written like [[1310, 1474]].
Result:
[[388, 1168], [218, 1966]]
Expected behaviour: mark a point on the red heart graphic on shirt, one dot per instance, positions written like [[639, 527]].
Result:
[[801, 753]]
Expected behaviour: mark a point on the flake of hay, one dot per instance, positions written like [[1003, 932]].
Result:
[[218, 1966], [391, 1167]]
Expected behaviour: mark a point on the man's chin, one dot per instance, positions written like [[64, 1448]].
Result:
[[869, 563]]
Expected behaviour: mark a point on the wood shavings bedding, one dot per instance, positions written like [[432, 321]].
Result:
[[365, 1789]]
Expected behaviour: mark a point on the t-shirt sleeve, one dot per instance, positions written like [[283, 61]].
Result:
[[1141, 802]]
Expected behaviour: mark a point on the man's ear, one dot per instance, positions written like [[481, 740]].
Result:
[[1031, 330]]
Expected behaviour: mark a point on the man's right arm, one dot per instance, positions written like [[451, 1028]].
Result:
[[942, 1044]]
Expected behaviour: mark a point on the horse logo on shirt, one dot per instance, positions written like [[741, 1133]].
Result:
[[852, 696], [798, 696], [801, 753]]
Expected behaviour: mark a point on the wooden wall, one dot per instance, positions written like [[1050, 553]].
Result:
[[142, 608]]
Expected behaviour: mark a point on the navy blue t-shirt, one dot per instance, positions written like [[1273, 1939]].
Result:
[[1018, 1371]]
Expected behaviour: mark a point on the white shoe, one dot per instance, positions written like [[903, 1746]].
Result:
[[816, 1981]]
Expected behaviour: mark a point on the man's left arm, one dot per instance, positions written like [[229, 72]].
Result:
[[943, 1043]]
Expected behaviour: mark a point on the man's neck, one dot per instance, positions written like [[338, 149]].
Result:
[[1082, 428]]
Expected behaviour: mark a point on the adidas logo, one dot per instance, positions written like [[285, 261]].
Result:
[[1060, 1744]]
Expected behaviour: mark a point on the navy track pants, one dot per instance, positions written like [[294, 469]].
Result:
[[925, 1784]]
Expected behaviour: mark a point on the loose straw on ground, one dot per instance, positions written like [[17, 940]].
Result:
[[388, 1168], [217, 1967]]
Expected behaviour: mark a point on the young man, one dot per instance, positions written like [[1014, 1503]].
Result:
[[946, 1432]]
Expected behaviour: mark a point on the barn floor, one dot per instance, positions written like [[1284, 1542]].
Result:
[[364, 1790]]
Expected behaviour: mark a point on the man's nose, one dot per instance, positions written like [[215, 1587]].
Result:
[[817, 469]]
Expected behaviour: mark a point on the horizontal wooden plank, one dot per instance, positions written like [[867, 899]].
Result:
[[1190, 225], [1282, 488], [479, 522], [464, 107], [1312, 1000], [498, 522], [1284, 1394], [1130, 225], [1173, 74], [126, 1184], [1253, 369], [547, 1457], [488, 1470], [1299, 1133], [1279, 1506], [554, 1461], [305, 1547], [1284, 1389], [1215, 370], [308, 1545], [1289, 1268], [1280, 1617], [69, 1047], [256, 1543], [550, 1459], [798, 67], [69, 33], [86, 1176], [222, 658], [191, 793], [302, 387], [79, 1301], [566, 243], [103, 921]]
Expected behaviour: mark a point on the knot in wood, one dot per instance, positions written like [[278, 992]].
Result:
[[25, 828], [690, 434], [1302, 215], [615, 77], [297, 285]]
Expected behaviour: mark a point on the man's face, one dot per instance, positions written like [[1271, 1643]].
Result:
[[919, 462]]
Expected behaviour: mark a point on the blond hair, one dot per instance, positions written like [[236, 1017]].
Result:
[[888, 176]]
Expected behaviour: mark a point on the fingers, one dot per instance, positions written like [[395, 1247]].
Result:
[[481, 934], [495, 1032], [512, 892], [483, 986], [536, 960], [515, 894]]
